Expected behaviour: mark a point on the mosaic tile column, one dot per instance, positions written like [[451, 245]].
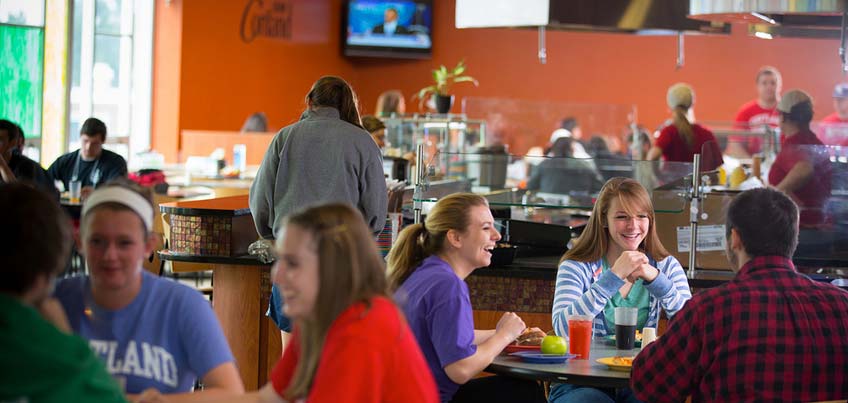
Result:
[[510, 294]]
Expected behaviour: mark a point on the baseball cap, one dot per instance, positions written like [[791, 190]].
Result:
[[840, 90], [792, 98], [680, 94], [558, 134]]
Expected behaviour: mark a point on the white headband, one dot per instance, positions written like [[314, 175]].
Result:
[[117, 194]]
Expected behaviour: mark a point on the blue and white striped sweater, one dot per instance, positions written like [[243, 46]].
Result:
[[583, 288]]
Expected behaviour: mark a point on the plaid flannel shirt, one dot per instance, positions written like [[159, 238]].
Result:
[[770, 334]]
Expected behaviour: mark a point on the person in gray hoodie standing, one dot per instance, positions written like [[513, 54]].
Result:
[[325, 157]]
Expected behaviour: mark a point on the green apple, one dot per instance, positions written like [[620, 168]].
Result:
[[553, 344]]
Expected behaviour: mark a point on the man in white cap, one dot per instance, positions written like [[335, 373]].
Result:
[[802, 168], [756, 114], [834, 127]]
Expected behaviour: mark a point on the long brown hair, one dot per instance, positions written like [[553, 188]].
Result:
[[389, 102], [594, 242], [350, 270], [335, 92], [418, 241]]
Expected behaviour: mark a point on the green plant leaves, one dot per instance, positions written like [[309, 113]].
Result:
[[444, 78]]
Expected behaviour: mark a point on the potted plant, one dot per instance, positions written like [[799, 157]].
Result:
[[443, 79]]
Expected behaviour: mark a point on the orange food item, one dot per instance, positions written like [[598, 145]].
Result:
[[628, 361]]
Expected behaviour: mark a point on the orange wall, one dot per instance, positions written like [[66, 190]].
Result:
[[167, 48], [207, 78], [223, 79], [613, 68]]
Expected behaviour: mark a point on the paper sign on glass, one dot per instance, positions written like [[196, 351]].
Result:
[[710, 238]]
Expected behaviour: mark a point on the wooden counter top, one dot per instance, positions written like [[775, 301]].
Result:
[[227, 206]]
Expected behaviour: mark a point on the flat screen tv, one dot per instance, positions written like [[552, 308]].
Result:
[[382, 28]]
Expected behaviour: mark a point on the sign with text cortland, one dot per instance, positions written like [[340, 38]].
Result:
[[266, 18], [285, 21]]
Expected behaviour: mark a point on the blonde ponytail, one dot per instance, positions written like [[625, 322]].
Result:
[[684, 128], [406, 254]]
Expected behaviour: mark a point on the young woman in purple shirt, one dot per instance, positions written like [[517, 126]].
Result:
[[427, 268]]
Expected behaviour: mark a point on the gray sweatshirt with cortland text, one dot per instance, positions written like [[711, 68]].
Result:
[[319, 159]]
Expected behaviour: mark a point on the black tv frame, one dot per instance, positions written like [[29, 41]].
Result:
[[383, 51]]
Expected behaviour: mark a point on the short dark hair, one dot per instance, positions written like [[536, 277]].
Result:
[[597, 146], [93, 127], [562, 147], [10, 127], [766, 221], [36, 237], [568, 123]]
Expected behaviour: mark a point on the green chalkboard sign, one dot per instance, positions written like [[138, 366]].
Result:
[[22, 76]]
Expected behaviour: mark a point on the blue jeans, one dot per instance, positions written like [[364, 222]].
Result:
[[275, 310], [568, 393]]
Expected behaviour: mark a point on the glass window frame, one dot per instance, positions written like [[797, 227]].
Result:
[[132, 132]]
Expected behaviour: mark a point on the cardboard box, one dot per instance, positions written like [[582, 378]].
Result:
[[673, 229]]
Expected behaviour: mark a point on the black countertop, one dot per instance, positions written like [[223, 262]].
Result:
[[244, 260], [534, 268], [545, 268]]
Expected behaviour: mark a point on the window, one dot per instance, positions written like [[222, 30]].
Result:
[[111, 71]]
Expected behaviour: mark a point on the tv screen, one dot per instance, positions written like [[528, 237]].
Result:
[[381, 28]]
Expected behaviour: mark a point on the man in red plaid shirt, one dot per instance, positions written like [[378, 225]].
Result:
[[770, 334]]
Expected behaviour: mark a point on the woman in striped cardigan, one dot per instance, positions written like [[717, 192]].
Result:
[[617, 261]]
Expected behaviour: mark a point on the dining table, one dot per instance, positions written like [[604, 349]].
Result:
[[586, 372]]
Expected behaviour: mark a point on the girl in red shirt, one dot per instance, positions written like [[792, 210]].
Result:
[[681, 140], [350, 342]]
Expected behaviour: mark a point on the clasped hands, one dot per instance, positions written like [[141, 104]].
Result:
[[633, 265]]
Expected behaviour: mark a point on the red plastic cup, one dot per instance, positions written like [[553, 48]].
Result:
[[580, 336]]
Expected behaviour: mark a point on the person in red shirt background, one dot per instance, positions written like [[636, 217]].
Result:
[[681, 140], [834, 127], [802, 168], [755, 114], [350, 342]]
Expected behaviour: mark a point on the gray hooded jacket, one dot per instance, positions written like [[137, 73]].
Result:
[[319, 159]]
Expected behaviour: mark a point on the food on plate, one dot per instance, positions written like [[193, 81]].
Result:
[[554, 345], [530, 337], [626, 361]]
